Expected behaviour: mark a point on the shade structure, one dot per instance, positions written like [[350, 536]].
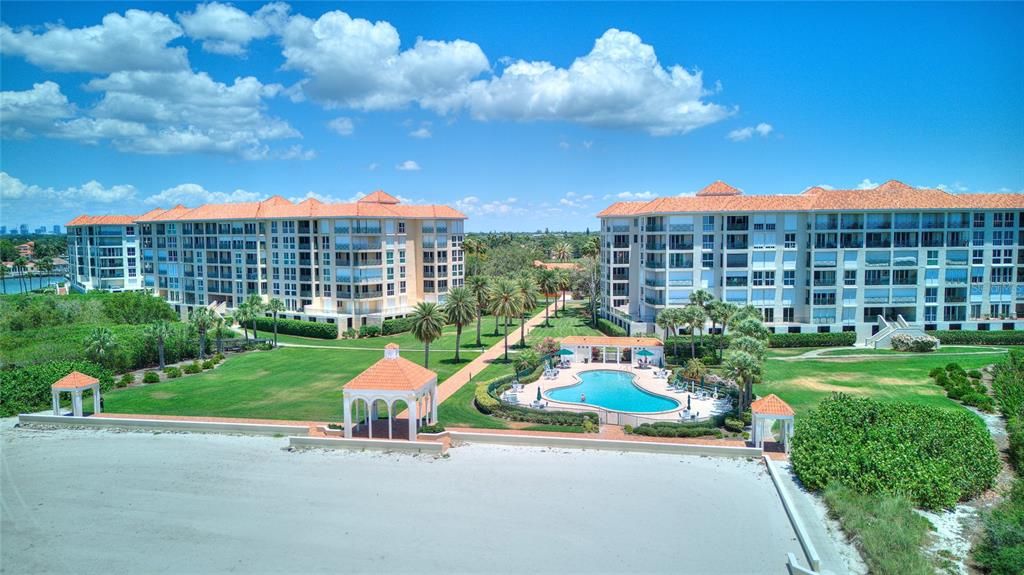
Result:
[[538, 393], [644, 353], [564, 351]]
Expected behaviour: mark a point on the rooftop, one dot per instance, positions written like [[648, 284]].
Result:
[[892, 195], [771, 405], [393, 373], [611, 341], [75, 380], [103, 221]]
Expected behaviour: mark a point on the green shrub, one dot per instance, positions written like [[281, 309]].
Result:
[[192, 368], [1001, 550], [432, 428], [172, 372], [627, 428], [298, 327], [126, 380], [936, 372], [955, 368], [935, 456], [218, 358], [1008, 384], [27, 389], [265, 346], [208, 364], [674, 429], [843, 338], [979, 400], [974, 373], [610, 329], [734, 425], [970, 337], [397, 325], [369, 331], [151, 377], [914, 343], [1015, 432]]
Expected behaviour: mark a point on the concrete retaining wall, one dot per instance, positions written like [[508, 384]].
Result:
[[165, 424], [359, 444], [604, 444], [794, 518]]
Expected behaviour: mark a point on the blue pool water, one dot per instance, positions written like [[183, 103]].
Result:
[[612, 390]]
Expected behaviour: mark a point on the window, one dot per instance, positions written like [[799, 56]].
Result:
[[933, 257], [850, 277], [787, 314], [790, 242], [707, 260], [979, 220], [708, 242], [931, 295], [764, 279], [709, 223], [788, 278], [977, 257]]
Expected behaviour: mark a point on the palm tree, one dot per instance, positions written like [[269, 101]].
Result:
[[525, 361], [100, 346], [275, 306], [19, 265], [693, 317], [427, 325], [201, 319], [742, 367], [255, 304], [475, 249], [694, 369], [506, 302], [3, 277], [721, 313], [562, 252], [218, 326], [460, 309], [591, 247], [243, 314], [159, 332], [528, 295], [547, 281], [702, 297], [564, 284], [480, 287], [669, 320]]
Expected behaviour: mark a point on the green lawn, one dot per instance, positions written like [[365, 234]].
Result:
[[804, 383], [944, 350]]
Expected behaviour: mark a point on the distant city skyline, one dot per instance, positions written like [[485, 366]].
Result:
[[502, 111]]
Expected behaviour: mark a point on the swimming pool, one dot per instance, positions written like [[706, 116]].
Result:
[[613, 390]]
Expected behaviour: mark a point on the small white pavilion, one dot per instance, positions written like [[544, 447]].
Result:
[[764, 412], [607, 349], [392, 380], [76, 383]]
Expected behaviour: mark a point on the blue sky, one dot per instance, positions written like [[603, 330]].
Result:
[[526, 116]]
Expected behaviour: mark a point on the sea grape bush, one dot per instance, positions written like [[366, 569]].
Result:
[[915, 343], [934, 456]]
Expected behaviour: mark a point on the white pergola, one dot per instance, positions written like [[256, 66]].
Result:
[[611, 348], [764, 413], [76, 383], [391, 380]]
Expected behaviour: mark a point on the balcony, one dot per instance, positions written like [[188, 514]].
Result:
[[369, 294], [660, 284], [655, 246], [654, 265], [682, 246], [738, 245], [655, 228]]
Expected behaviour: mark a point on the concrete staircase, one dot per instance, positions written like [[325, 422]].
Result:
[[883, 338]]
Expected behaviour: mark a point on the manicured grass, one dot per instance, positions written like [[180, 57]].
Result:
[[459, 411], [888, 532], [804, 383], [944, 350]]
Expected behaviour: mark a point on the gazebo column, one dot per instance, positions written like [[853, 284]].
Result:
[[388, 407], [412, 420], [346, 404], [97, 400], [370, 410], [56, 402], [433, 406], [76, 402]]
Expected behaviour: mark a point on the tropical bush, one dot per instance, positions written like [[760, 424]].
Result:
[[172, 372], [208, 364], [126, 380], [193, 368], [934, 456], [960, 387], [734, 425], [33, 311], [298, 327], [610, 329], [369, 331], [673, 429], [151, 377], [839, 339], [914, 343], [432, 428], [971, 337], [487, 402], [397, 325], [27, 389]]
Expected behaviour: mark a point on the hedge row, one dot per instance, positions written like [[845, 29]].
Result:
[[486, 402], [965, 337], [610, 329], [934, 456], [298, 327], [397, 325], [840, 339], [673, 429], [27, 389]]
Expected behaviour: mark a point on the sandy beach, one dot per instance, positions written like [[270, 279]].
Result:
[[88, 501]]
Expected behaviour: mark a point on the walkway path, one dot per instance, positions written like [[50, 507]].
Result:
[[822, 354], [351, 347]]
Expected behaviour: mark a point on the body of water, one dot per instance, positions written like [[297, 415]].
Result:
[[14, 285], [612, 390]]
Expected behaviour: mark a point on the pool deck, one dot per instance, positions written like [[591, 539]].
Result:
[[644, 378]]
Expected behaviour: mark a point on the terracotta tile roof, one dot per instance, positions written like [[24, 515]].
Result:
[[75, 380], [376, 205], [892, 195], [771, 405], [379, 197], [393, 374], [611, 341], [102, 221], [556, 265]]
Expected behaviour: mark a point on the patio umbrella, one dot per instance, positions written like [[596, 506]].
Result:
[[538, 393], [687, 403], [564, 351], [644, 353]]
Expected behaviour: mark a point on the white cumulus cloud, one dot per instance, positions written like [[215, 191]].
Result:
[[632, 196], [422, 133], [342, 126], [474, 206], [867, 184], [11, 188], [29, 111], [748, 132], [135, 41], [193, 195], [408, 166], [225, 29]]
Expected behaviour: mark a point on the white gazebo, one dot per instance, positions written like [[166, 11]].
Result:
[[607, 349], [764, 413], [389, 381], [76, 383]]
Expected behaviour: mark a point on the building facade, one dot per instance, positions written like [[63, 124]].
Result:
[[353, 264], [820, 261], [103, 253]]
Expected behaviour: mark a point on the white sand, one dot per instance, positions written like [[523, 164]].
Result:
[[87, 501]]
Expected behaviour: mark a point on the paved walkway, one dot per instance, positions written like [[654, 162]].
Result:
[[354, 348], [822, 354]]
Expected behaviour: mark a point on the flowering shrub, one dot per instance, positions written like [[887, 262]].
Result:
[[916, 343]]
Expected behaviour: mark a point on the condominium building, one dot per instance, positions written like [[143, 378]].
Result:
[[823, 260], [352, 264], [103, 253]]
